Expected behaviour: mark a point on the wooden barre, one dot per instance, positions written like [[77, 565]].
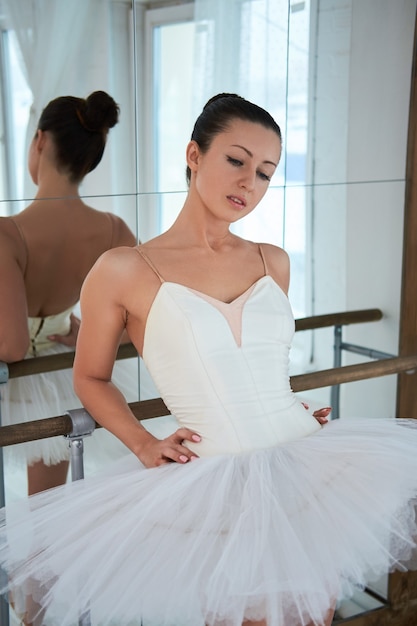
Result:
[[146, 409], [55, 362], [338, 319], [352, 373], [65, 360]]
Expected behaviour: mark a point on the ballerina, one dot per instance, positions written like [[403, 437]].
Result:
[[254, 511]]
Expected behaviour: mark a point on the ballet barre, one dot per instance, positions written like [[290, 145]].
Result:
[[65, 360], [74, 422], [54, 362], [338, 320]]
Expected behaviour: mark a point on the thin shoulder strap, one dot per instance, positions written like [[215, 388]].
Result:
[[149, 262], [22, 237], [261, 252]]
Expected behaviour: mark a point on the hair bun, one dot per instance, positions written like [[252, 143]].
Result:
[[100, 112]]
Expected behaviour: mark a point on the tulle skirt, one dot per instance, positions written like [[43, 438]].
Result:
[[280, 533], [49, 394]]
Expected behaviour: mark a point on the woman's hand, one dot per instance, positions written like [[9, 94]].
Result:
[[154, 452], [71, 338], [321, 415]]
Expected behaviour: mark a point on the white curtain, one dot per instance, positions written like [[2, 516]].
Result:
[[74, 47], [50, 34]]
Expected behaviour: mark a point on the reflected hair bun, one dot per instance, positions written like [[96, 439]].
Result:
[[98, 112]]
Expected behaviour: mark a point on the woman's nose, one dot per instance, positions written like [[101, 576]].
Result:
[[248, 180]]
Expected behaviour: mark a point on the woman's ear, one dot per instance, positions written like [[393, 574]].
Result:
[[193, 155], [39, 140]]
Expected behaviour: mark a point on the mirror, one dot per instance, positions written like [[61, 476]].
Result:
[[335, 74], [337, 79]]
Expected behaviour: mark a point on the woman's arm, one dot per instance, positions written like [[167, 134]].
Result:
[[103, 313], [14, 333], [70, 339]]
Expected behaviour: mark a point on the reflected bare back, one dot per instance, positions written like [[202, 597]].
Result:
[[62, 240]]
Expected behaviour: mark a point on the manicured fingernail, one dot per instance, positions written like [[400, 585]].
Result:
[[196, 437], [183, 458]]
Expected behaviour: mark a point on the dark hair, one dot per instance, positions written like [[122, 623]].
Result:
[[220, 111], [79, 128]]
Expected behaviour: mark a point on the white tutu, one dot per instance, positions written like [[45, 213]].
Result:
[[275, 533]]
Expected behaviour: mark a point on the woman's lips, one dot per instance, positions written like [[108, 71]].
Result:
[[237, 201]]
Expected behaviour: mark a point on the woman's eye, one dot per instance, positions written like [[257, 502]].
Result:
[[264, 176], [235, 162]]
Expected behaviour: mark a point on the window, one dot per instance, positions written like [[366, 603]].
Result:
[[169, 37]]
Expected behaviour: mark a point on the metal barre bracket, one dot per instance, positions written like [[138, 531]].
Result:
[[83, 424]]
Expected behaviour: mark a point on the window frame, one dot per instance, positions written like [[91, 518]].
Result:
[[153, 19]]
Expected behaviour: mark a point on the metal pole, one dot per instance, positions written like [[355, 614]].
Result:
[[77, 459], [337, 362], [369, 352], [83, 425], [338, 346]]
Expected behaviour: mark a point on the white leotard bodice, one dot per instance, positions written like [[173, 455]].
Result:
[[222, 369]]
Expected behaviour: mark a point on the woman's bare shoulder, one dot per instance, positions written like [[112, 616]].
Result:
[[8, 229], [121, 267], [116, 260], [11, 241], [274, 253], [278, 264], [121, 233]]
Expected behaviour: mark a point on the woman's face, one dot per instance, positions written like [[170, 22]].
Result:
[[233, 175]]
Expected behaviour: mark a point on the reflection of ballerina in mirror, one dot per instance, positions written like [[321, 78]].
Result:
[[45, 253]]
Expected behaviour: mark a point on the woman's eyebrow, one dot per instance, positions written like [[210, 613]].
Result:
[[249, 153]]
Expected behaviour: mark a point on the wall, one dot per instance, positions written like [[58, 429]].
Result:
[[358, 217]]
